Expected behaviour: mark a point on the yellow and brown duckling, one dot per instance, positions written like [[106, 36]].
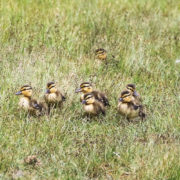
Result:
[[53, 96], [132, 89], [101, 54], [92, 106], [128, 107], [32, 106], [86, 87]]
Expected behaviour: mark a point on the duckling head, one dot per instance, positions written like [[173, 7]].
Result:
[[126, 97], [25, 90], [101, 53], [51, 87], [132, 89], [85, 87], [88, 99]]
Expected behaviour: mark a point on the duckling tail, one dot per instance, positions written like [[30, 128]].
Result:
[[142, 115], [105, 101], [103, 112]]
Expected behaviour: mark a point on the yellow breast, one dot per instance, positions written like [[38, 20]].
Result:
[[102, 56], [82, 97], [24, 103], [89, 109], [51, 97], [125, 110]]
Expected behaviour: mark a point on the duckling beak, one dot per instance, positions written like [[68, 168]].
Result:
[[84, 102], [120, 99], [47, 91], [19, 93], [78, 90], [135, 93]]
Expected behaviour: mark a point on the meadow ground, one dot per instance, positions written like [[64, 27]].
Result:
[[45, 40]]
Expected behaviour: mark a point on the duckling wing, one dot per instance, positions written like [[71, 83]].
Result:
[[103, 111], [105, 101], [43, 108], [60, 96], [63, 98], [99, 107], [136, 106], [101, 97], [141, 113], [35, 104]]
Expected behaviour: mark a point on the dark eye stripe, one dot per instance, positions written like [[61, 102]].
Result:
[[100, 52], [25, 89], [51, 87], [125, 96], [130, 88], [88, 97], [84, 86]]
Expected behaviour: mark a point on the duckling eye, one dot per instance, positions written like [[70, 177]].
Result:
[[26, 89]]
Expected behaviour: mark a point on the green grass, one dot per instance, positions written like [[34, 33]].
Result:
[[45, 40]]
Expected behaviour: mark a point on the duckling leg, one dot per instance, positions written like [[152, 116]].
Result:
[[87, 116], [49, 109], [141, 113]]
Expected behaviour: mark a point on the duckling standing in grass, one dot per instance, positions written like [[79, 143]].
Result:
[[128, 108], [101, 54], [92, 106], [53, 96], [28, 104], [86, 87]]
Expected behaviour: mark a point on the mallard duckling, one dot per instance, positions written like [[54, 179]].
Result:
[[92, 106], [53, 96], [86, 87], [101, 54], [132, 89], [32, 106], [128, 108]]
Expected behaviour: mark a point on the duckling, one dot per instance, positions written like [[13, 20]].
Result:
[[86, 87], [28, 104], [132, 89], [128, 108], [92, 106], [53, 96], [101, 54]]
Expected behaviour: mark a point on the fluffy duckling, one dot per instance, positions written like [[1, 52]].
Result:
[[92, 106], [101, 54], [53, 96], [28, 104], [86, 87], [128, 108], [132, 89]]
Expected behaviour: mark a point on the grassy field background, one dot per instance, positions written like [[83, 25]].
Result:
[[45, 40]]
